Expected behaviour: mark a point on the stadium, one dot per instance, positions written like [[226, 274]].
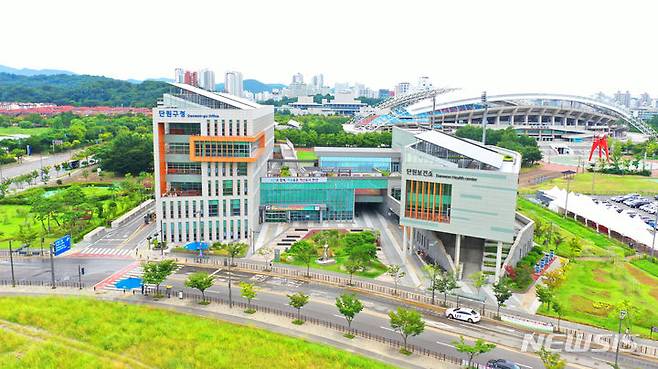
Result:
[[547, 117]]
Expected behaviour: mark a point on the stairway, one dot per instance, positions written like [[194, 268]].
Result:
[[489, 258]]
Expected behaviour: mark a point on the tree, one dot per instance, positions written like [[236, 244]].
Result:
[[137, 147], [502, 292], [551, 360], [298, 300], [85, 173], [395, 272], [434, 270], [407, 323], [232, 250], [267, 253], [554, 278], [304, 252], [26, 234], [18, 153], [479, 280], [349, 306], [156, 272], [446, 283], [200, 281], [353, 266], [557, 308], [480, 347], [576, 247], [545, 295], [248, 291]]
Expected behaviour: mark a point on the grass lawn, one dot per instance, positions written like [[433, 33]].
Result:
[[12, 216], [306, 155], [594, 289], [604, 184], [647, 266], [87, 333], [6, 131], [374, 269], [594, 243]]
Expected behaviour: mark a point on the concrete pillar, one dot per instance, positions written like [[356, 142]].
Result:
[[411, 240], [499, 260], [404, 238], [458, 248]]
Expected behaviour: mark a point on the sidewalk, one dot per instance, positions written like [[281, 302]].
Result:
[[270, 322]]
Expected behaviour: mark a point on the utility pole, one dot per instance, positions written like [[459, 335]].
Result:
[[655, 230], [52, 265], [11, 261], [622, 315], [484, 117], [80, 276]]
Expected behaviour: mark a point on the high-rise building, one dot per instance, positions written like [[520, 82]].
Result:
[[402, 88], [207, 79], [297, 79], [623, 99], [645, 100], [191, 78], [383, 93], [233, 83], [211, 151], [424, 83], [179, 75], [318, 81]]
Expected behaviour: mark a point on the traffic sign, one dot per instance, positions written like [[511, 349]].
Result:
[[62, 245]]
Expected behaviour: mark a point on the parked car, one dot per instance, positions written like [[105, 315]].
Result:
[[639, 202], [631, 214], [617, 198], [463, 314], [502, 364]]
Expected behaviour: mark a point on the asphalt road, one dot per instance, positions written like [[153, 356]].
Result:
[[438, 336], [66, 269], [34, 162]]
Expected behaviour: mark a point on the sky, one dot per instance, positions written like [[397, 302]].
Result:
[[565, 46]]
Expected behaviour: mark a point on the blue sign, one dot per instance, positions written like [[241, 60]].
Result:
[[62, 245]]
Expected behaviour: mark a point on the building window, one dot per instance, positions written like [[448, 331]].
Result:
[[428, 201], [396, 193], [213, 208], [242, 169], [230, 127], [246, 208], [227, 187], [235, 207], [178, 148], [245, 187], [245, 128], [238, 186]]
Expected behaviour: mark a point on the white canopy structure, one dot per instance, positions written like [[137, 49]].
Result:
[[583, 206]]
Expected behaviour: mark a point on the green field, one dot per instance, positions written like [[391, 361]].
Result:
[[595, 290], [604, 184], [647, 265], [87, 333], [594, 243], [306, 155], [6, 131]]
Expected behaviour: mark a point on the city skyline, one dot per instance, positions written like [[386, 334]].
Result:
[[478, 58]]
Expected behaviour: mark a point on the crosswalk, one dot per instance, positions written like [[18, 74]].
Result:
[[105, 252]]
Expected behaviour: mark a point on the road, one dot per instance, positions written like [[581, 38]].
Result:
[[34, 162], [439, 335]]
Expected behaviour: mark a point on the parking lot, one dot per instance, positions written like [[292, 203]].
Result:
[[634, 205]]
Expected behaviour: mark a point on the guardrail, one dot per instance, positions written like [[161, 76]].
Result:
[[40, 283], [396, 344], [385, 290]]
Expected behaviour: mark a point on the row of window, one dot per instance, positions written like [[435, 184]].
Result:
[[428, 201], [188, 208], [183, 168], [227, 169], [223, 149], [226, 128], [233, 229]]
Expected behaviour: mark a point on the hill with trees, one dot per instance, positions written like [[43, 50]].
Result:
[[79, 90], [506, 138]]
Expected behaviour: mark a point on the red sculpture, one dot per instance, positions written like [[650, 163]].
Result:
[[600, 142]]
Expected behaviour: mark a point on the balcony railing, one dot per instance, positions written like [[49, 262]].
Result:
[[182, 193]]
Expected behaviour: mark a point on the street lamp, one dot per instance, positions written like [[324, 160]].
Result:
[[622, 315], [655, 230], [11, 261], [483, 99], [568, 176]]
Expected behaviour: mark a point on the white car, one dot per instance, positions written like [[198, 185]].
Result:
[[464, 314]]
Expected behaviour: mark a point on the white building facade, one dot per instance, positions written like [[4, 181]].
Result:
[[210, 151]]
